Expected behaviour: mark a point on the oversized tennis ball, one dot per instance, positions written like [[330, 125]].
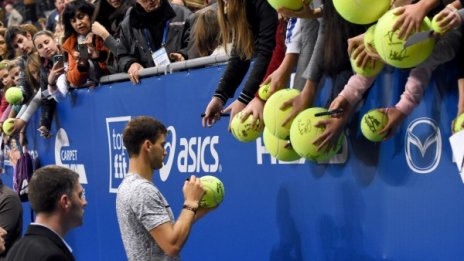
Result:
[[279, 148], [361, 11], [274, 117], [369, 70], [369, 41], [214, 192], [435, 26], [458, 123], [304, 132], [371, 123], [8, 126], [14, 95], [392, 49], [289, 4], [263, 92], [245, 131]]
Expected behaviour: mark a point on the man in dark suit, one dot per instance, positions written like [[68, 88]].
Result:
[[56, 195]]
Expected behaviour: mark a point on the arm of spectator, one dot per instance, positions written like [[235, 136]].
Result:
[[413, 91], [279, 78], [460, 102], [124, 56], [234, 108], [255, 110], [300, 102], [449, 18], [411, 17], [395, 119], [333, 126], [293, 36], [356, 87], [212, 112], [61, 89], [100, 30], [32, 107]]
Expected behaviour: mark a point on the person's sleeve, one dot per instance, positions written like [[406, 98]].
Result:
[[413, 91], [314, 71], [123, 54], [112, 44], [356, 87], [10, 211], [149, 207], [293, 36], [31, 107], [62, 89]]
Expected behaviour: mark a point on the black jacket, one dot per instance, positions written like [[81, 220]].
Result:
[[133, 46], [40, 244], [263, 21]]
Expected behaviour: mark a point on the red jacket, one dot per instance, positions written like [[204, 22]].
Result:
[[74, 76]]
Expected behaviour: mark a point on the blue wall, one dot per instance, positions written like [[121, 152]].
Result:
[[374, 206]]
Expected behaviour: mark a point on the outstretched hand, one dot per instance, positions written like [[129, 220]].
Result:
[[395, 119]]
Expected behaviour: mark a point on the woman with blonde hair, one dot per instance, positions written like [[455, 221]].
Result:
[[251, 30]]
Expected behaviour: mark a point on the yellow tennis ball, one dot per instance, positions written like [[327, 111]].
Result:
[[245, 131], [458, 123], [392, 49], [263, 92], [369, 70], [435, 26], [14, 95], [371, 123], [289, 4], [361, 11], [274, 117], [304, 132], [7, 125], [214, 192], [369, 41], [279, 148]]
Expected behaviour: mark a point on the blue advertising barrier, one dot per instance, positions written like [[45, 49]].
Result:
[[395, 200]]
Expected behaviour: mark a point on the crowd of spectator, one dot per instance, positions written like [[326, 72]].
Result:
[[50, 47]]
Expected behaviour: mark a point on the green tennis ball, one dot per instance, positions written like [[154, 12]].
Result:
[[304, 132], [214, 192], [274, 117], [435, 26], [245, 131], [458, 123], [279, 148], [368, 71], [289, 4], [361, 11], [263, 92], [8, 126], [371, 123], [392, 49], [14, 95]]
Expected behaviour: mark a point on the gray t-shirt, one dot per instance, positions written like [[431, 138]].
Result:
[[141, 207]]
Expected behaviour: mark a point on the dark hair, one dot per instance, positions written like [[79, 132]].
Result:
[[337, 31], [70, 11], [111, 17], [11, 34], [48, 184], [140, 129]]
